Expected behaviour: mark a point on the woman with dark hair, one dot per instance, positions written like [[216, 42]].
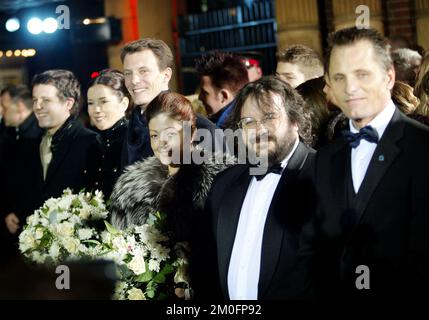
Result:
[[108, 100], [171, 182]]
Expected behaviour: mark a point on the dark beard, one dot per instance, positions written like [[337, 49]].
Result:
[[282, 150]]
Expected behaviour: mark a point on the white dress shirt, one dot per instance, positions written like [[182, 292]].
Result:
[[362, 154], [245, 263]]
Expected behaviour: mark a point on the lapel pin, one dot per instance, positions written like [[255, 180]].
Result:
[[381, 158]]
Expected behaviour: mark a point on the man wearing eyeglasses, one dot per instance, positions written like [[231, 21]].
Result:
[[255, 220]]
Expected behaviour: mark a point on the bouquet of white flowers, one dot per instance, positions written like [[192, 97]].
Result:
[[64, 228], [150, 265]]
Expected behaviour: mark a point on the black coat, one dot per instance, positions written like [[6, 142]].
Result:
[[70, 150], [287, 214], [137, 146], [105, 160], [20, 163], [390, 213]]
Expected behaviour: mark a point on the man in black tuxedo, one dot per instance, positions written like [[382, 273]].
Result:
[[256, 220], [370, 237], [148, 68]]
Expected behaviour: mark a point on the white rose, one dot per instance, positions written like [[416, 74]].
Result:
[[159, 252], [136, 294], [120, 244], [54, 250], [33, 219], [26, 240], [63, 216], [106, 237], [84, 213], [64, 229], [37, 257], [38, 234], [71, 245], [154, 265], [85, 233], [137, 265]]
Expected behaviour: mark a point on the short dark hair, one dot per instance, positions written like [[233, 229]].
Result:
[[349, 36], [114, 79], [21, 93], [175, 105], [307, 59], [65, 81], [225, 70], [159, 48], [293, 103], [6, 89]]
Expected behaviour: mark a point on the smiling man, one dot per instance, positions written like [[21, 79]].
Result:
[[66, 143], [256, 220], [148, 67], [372, 184]]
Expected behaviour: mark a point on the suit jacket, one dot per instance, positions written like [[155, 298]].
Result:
[[70, 150], [384, 226], [287, 214]]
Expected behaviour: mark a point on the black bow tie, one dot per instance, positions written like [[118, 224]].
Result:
[[368, 133], [277, 169]]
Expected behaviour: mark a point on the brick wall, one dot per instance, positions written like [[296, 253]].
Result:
[[400, 19]]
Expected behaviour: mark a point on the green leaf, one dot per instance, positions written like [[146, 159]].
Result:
[[159, 278], [150, 294], [76, 203], [91, 241], [168, 268], [94, 202], [111, 228], [145, 277]]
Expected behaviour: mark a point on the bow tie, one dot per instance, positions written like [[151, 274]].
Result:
[[277, 169], [368, 133]]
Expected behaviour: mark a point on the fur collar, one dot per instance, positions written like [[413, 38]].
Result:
[[145, 188]]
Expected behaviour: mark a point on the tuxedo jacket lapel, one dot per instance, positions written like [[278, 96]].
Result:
[[384, 155], [272, 240], [229, 214], [340, 162]]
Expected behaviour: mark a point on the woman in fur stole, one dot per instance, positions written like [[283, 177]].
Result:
[[164, 183]]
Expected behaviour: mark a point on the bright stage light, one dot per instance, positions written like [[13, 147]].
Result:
[[12, 24], [50, 25], [35, 25]]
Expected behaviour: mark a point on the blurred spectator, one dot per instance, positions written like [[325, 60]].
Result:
[[222, 75], [297, 64], [403, 97], [252, 61], [19, 165], [419, 89], [407, 63], [316, 104]]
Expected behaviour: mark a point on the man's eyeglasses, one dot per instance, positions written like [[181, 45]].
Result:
[[252, 123]]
